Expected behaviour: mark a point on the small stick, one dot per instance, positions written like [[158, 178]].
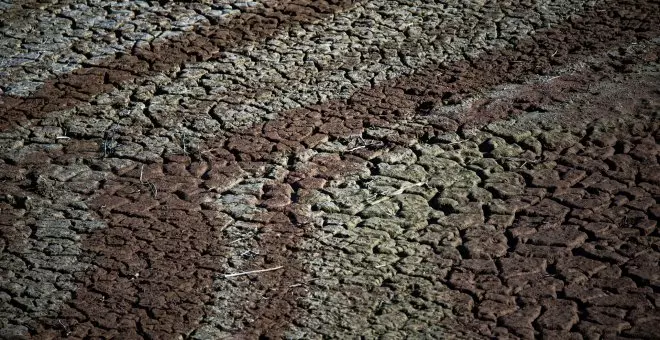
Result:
[[141, 172], [397, 192], [253, 272], [62, 137], [356, 148], [250, 234], [380, 200]]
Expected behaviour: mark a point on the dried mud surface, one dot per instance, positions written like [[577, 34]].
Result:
[[409, 169]]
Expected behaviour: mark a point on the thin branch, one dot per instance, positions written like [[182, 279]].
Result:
[[253, 272], [356, 148]]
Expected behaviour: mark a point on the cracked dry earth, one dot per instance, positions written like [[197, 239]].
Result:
[[408, 169]]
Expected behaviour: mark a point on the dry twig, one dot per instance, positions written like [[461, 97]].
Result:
[[253, 272], [356, 148], [400, 191]]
